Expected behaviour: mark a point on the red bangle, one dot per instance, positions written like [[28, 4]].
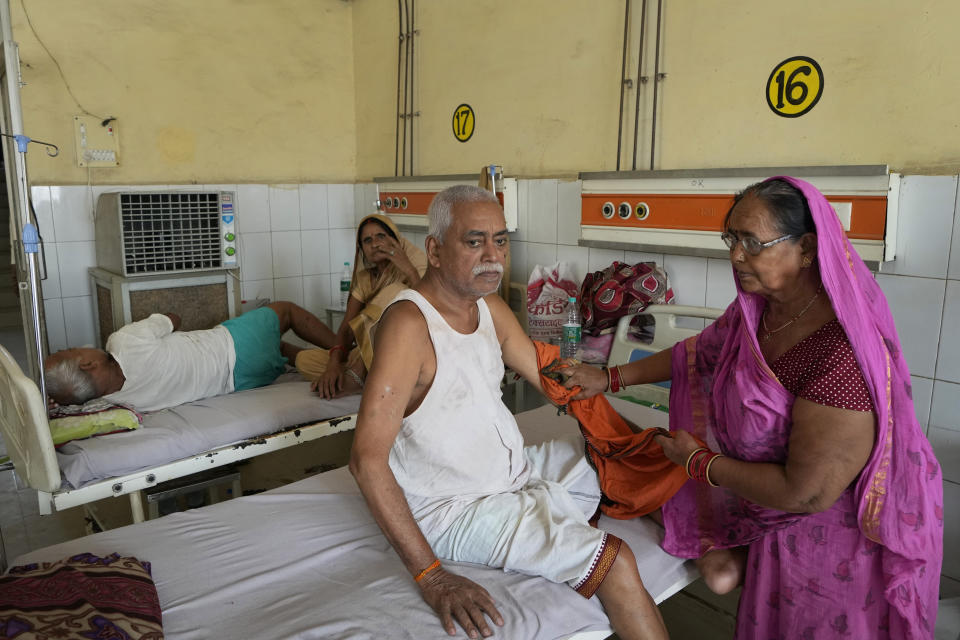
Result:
[[698, 465], [434, 565], [336, 347], [616, 381]]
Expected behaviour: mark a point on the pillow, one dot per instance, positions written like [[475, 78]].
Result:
[[85, 596], [95, 418]]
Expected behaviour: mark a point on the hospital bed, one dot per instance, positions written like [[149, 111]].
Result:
[[307, 560], [170, 444]]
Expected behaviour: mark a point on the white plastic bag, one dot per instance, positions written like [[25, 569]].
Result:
[[548, 290]]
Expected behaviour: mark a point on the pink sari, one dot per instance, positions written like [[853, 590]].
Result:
[[868, 567]]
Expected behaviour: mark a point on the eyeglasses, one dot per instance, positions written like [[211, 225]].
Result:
[[750, 244]]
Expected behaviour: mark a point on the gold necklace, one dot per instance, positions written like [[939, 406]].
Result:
[[768, 333]]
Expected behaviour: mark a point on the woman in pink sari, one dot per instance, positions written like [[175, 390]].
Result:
[[817, 488]]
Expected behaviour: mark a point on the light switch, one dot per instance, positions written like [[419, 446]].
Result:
[[843, 210], [96, 141]]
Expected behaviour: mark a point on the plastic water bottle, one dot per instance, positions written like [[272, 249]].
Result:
[[570, 340], [345, 285]]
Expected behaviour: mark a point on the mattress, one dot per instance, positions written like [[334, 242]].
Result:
[[189, 429], [307, 560]]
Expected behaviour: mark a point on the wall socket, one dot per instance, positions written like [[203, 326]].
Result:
[[97, 144]]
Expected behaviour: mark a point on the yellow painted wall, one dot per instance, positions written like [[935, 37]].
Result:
[[543, 78], [204, 91], [305, 90]]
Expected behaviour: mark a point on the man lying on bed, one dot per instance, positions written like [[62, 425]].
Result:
[[439, 457], [149, 365]]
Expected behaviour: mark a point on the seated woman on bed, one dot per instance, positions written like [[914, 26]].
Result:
[[150, 365], [821, 493], [391, 263]]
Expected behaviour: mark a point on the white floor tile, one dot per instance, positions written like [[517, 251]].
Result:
[[946, 446], [951, 530]]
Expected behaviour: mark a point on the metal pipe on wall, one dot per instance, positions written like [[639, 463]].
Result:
[[406, 78], [656, 85], [396, 152], [640, 81], [412, 62], [623, 79]]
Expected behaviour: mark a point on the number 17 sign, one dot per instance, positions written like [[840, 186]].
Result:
[[463, 122], [795, 86]]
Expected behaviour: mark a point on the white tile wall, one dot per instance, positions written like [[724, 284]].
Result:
[[341, 206], [253, 208], [568, 212], [721, 290], [922, 397], [290, 289], [602, 258], [916, 304], [577, 257], [951, 530], [518, 260], [286, 254], [343, 248], [72, 213], [284, 207], [78, 319], [948, 360], [75, 258], [542, 211], [315, 249], [926, 220], [51, 285], [313, 207], [254, 289], [43, 207], [256, 256], [317, 294], [56, 330], [541, 254], [946, 446]]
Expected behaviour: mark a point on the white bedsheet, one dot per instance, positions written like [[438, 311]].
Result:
[[307, 561], [196, 427]]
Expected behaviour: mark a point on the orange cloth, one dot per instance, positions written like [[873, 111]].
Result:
[[635, 475]]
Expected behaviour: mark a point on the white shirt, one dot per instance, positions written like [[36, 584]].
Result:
[[164, 368]]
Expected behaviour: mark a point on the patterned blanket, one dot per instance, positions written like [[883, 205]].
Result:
[[84, 596]]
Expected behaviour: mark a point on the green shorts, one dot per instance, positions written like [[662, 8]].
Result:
[[256, 342]]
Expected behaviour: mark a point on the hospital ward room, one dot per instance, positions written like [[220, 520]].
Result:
[[531, 319]]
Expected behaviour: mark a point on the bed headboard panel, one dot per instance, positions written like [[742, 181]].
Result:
[[23, 421]]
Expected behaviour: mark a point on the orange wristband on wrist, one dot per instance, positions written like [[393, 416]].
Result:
[[420, 576]]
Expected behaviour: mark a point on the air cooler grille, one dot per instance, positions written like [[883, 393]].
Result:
[[170, 231]]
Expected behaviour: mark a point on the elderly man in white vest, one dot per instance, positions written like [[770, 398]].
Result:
[[440, 460]]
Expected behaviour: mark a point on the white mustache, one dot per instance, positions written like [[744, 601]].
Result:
[[488, 267]]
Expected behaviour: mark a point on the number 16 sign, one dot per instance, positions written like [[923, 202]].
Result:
[[795, 86]]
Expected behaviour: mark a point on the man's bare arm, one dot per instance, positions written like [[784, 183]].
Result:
[[402, 349], [519, 353]]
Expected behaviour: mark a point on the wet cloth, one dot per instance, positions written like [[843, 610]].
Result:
[[634, 474], [476, 492], [869, 566]]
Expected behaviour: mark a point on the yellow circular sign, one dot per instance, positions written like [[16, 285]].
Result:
[[463, 122], [795, 86]]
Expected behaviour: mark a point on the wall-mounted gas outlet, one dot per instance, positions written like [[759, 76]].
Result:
[[96, 141]]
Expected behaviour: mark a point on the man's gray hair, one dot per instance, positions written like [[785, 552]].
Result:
[[67, 383], [440, 213]]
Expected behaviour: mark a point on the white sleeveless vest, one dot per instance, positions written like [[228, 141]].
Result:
[[462, 442]]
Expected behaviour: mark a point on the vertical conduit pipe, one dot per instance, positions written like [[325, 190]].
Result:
[[406, 78], [396, 152], [413, 61], [623, 79], [636, 113], [656, 81]]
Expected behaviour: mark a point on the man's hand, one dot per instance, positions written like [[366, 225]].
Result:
[[330, 383], [453, 596]]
